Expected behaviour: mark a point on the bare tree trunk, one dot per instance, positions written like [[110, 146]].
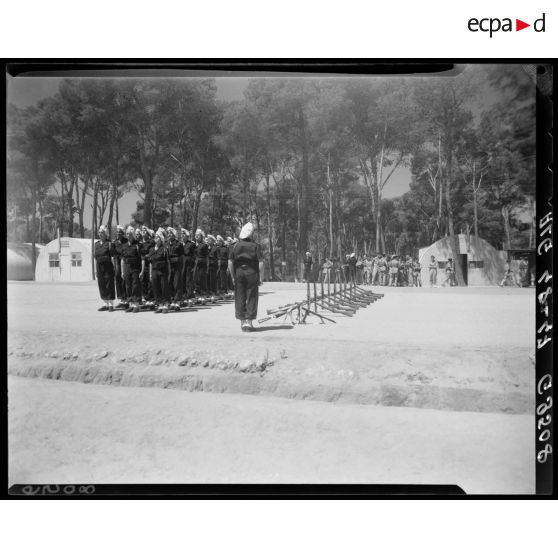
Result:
[[63, 189], [93, 229], [147, 183], [40, 222], [330, 223], [114, 190], [305, 189], [454, 239], [197, 201], [506, 221], [270, 228], [34, 231], [475, 215], [71, 205]]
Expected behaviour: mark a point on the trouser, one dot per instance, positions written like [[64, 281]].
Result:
[[383, 278], [307, 273], [509, 277], [160, 282], [230, 285], [105, 280], [352, 274], [119, 282], [449, 277], [433, 276], [175, 282], [200, 278], [212, 279], [222, 278], [146, 286], [188, 280], [246, 293], [133, 284], [374, 278], [417, 280], [393, 278]]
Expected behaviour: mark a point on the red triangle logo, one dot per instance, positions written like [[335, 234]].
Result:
[[519, 25]]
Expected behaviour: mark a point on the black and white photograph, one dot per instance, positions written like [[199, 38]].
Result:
[[273, 277]]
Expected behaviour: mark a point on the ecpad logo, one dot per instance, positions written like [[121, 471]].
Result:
[[493, 25]]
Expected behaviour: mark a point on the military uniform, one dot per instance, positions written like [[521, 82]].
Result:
[[393, 272], [351, 268], [146, 286], [246, 256], [201, 252], [307, 266], [131, 258], [212, 269], [104, 252], [118, 280], [222, 259], [158, 258], [188, 269], [176, 253], [433, 272]]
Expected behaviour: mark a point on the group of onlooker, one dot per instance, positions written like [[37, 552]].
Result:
[[377, 269]]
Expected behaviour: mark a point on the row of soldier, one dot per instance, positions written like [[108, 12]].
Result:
[[366, 269], [160, 270]]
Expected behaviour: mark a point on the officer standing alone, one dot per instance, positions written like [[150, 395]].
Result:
[[104, 253], [246, 269]]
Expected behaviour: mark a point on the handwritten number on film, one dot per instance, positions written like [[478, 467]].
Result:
[[69, 489], [544, 336], [543, 411]]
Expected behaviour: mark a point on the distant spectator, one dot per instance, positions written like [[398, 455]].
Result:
[[383, 267], [433, 271], [308, 267], [524, 272], [450, 274], [393, 271], [417, 280], [509, 276]]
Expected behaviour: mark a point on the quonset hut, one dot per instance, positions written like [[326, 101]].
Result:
[[19, 261], [482, 264], [65, 259]]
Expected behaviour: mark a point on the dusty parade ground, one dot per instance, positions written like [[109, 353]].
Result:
[[422, 386]]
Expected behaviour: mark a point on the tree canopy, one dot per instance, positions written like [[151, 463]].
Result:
[[308, 160]]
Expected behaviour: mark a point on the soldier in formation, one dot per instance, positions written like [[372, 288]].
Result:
[[161, 271], [104, 255]]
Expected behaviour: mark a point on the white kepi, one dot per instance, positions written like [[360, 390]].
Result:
[[247, 231]]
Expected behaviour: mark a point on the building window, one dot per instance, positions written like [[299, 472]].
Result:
[[53, 259], [476, 265], [76, 259]]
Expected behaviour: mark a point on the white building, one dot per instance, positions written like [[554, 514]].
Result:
[[65, 259], [19, 260], [481, 263]]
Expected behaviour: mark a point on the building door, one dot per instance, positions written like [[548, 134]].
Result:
[[65, 267], [54, 266], [464, 267]]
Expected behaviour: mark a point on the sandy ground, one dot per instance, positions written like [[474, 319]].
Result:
[[447, 376], [62, 432], [464, 349]]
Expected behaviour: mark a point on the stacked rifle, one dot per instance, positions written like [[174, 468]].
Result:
[[340, 296]]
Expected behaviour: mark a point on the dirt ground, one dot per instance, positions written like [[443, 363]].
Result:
[[461, 349], [63, 432], [468, 352]]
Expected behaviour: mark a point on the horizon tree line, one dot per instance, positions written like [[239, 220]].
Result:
[[307, 160]]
